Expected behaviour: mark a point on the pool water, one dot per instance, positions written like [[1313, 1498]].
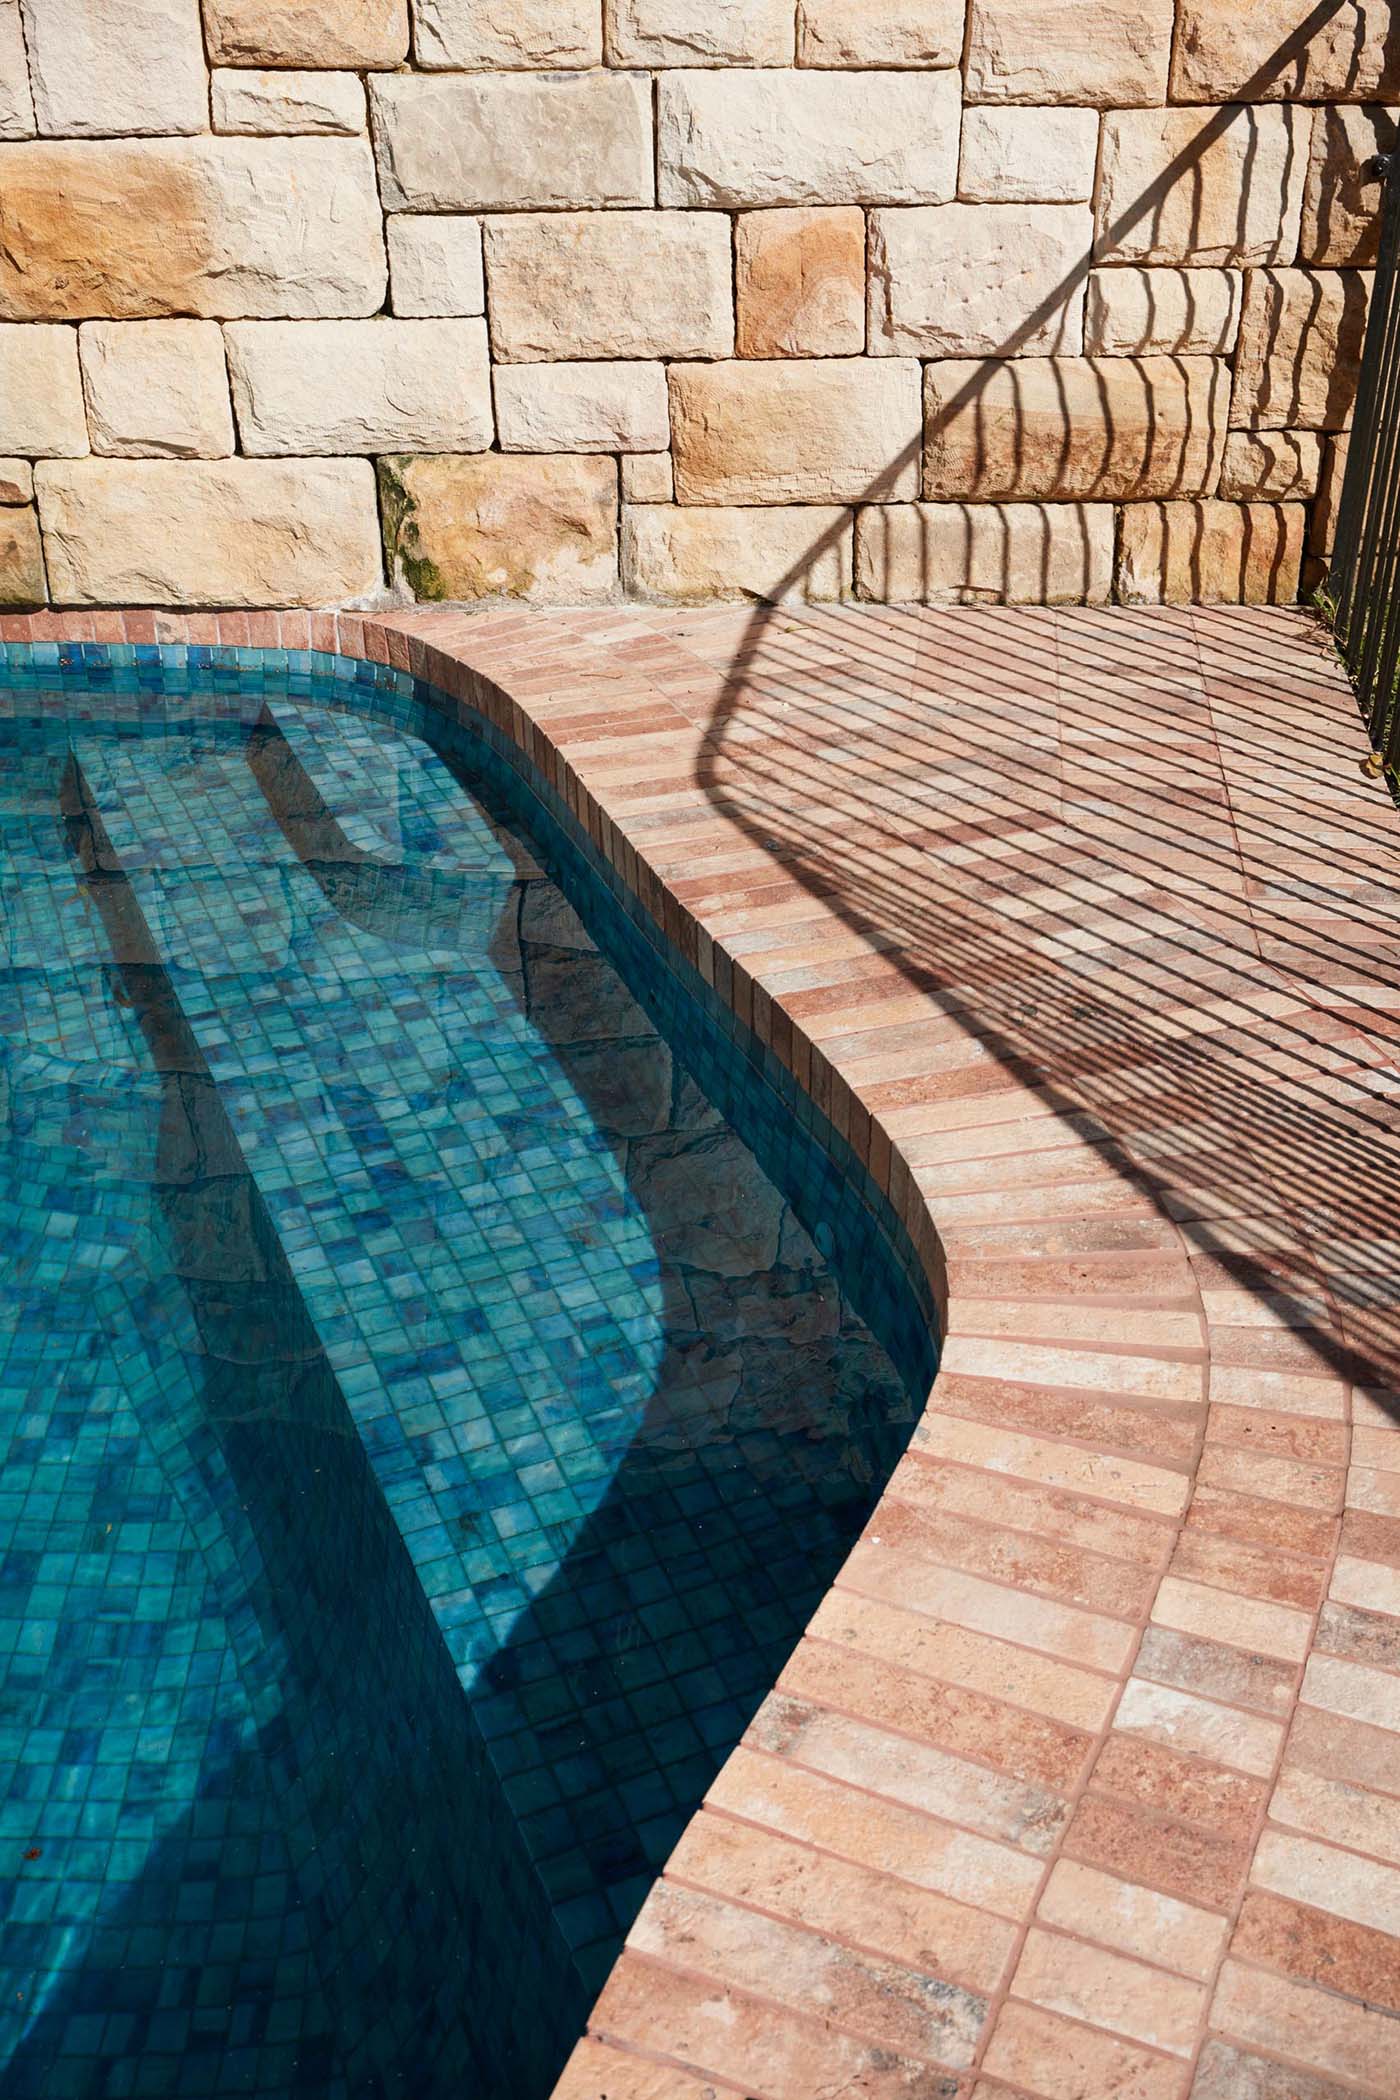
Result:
[[442, 1365]]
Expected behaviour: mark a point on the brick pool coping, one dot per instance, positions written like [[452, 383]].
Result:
[[1074, 925]]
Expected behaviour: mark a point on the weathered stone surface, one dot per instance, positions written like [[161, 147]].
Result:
[[306, 32], [1108, 428], [488, 141], [1323, 525], [1201, 185], [1271, 464], [1299, 348], [156, 389], [507, 33], [16, 99], [214, 226], [41, 393], [613, 407], [1252, 50], [1109, 56], [686, 556], [1211, 553], [279, 101], [610, 284], [99, 66], [1175, 312], [800, 282], [737, 138], [1341, 205], [646, 478], [21, 559], [833, 430], [360, 386], [234, 532], [879, 32], [16, 481], [720, 33], [998, 280], [985, 553], [1012, 155], [503, 525], [435, 264]]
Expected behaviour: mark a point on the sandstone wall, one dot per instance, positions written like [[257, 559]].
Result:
[[567, 299]]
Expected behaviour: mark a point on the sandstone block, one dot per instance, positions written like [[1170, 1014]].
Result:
[[503, 525], [21, 560], [610, 284], [739, 138], [1210, 553], [490, 141], [233, 532], [1111, 428], [41, 393], [1272, 464], [435, 264], [832, 430], [1322, 529], [480, 34], [721, 33], [998, 280], [614, 407], [156, 389], [16, 481], [646, 478], [277, 100], [1253, 50], [879, 32], [99, 66], [306, 32], [1341, 205], [1183, 313], [360, 386], [1201, 185], [985, 553], [1300, 348], [1110, 56], [1013, 155], [674, 555], [16, 99], [95, 229], [800, 282]]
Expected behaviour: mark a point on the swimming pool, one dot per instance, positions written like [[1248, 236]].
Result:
[[445, 1362]]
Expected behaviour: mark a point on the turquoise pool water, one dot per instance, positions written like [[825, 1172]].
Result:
[[443, 1363]]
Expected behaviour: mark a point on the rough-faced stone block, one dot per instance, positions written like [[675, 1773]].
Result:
[[235, 532], [435, 264], [1273, 464], [678, 556], [1210, 553], [480, 34], [741, 138], [503, 525], [278, 101], [16, 481], [21, 560], [833, 430], [306, 32], [1299, 349], [493, 141], [879, 32], [620, 406], [1201, 185], [156, 389], [1175, 312], [16, 97], [800, 282], [678, 33], [1012, 155], [610, 284], [994, 280], [1341, 205], [101, 66], [647, 478], [985, 553], [1112, 428], [41, 393], [1110, 56], [98, 229], [1322, 529], [1257, 51], [360, 386]]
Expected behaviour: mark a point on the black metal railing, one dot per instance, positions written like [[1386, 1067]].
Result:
[[1362, 592]]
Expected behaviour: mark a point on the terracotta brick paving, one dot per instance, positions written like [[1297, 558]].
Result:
[[1085, 1780]]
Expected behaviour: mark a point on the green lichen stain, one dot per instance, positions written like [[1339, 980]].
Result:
[[403, 555]]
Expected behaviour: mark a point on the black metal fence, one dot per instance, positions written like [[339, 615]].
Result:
[[1362, 592]]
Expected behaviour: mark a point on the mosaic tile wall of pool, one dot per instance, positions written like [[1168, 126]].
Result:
[[442, 1364]]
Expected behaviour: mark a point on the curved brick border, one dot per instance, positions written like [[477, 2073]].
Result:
[[1047, 1801]]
